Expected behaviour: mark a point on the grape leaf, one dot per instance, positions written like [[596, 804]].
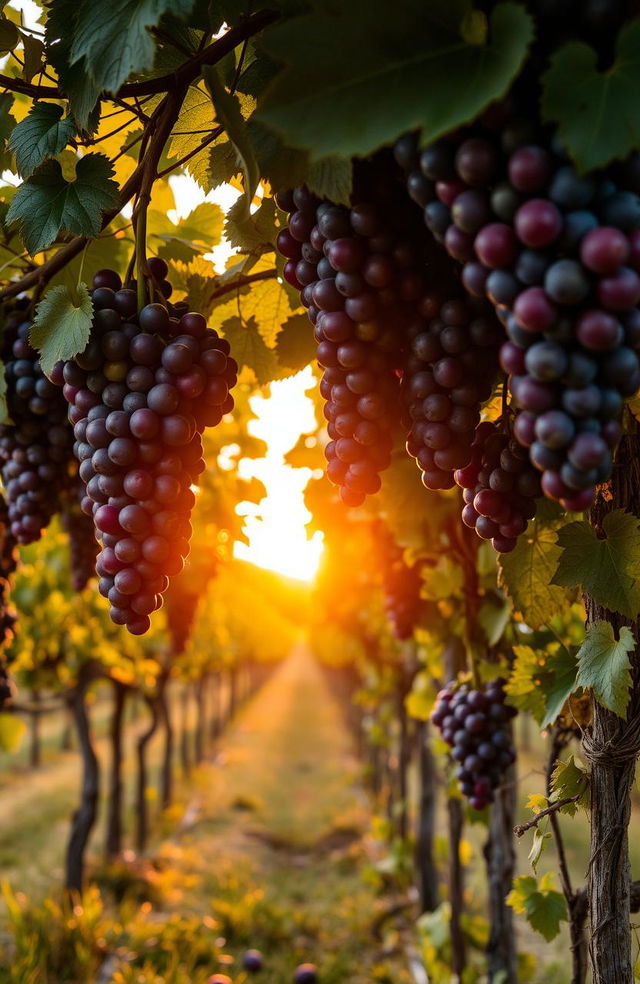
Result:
[[567, 780], [295, 344], [46, 204], [62, 325], [255, 233], [526, 572], [543, 907], [354, 78], [541, 681], [113, 38], [608, 568], [33, 55], [229, 114], [559, 687], [331, 177], [7, 124], [249, 349], [9, 36], [41, 134], [75, 82], [223, 164], [604, 667], [596, 111]]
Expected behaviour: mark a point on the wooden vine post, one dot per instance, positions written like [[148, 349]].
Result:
[[611, 745]]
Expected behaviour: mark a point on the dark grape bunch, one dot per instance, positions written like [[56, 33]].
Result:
[[475, 724], [36, 456], [500, 487], [8, 616], [360, 273], [140, 397], [401, 584], [450, 369], [558, 254], [83, 546]]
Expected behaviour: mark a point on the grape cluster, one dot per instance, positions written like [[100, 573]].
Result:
[[139, 398], [500, 487], [449, 371], [36, 457], [558, 254], [401, 588], [83, 546], [475, 724], [360, 274], [8, 616]]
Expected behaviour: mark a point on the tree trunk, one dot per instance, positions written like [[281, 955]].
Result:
[[84, 817], [113, 843], [166, 778], [233, 693], [35, 745], [425, 864], [142, 819], [185, 755], [215, 708], [500, 856], [199, 694], [404, 759], [612, 773], [66, 737], [456, 887]]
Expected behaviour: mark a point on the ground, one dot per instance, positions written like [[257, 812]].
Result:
[[272, 848]]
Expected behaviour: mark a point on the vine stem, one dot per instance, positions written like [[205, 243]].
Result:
[[522, 828]]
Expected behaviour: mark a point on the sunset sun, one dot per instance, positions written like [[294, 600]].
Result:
[[276, 527]]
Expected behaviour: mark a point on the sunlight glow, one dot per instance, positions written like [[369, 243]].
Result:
[[276, 527]]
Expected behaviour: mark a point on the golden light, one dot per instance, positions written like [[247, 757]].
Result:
[[276, 527]]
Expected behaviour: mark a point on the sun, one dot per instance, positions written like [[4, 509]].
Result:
[[276, 526]]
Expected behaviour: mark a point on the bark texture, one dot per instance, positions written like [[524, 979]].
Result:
[[425, 863], [501, 860], [85, 816], [611, 746]]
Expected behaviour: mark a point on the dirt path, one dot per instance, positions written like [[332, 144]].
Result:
[[278, 851]]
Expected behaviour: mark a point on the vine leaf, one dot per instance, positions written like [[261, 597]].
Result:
[[62, 325], [45, 204], [526, 573], [569, 779], [229, 115], [7, 125], [9, 36], [543, 907], [112, 39], [604, 667], [354, 78], [250, 349], [541, 681], [41, 134], [597, 112], [295, 345], [608, 568]]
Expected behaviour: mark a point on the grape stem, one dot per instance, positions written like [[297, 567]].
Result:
[[522, 828]]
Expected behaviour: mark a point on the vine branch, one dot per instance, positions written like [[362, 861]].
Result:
[[522, 828]]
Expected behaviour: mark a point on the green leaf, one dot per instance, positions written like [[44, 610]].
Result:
[[255, 233], [543, 907], [12, 731], [80, 88], [62, 325], [538, 844], [9, 36], [559, 687], [41, 134], [113, 40], [295, 345], [229, 114], [604, 666], [33, 55], [223, 164], [7, 125], [567, 780], [197, 233], [596, 111], [283, 167], [355, 78], [607, 568], [249, 349], [46, 204], [331, 177], [526, 573]]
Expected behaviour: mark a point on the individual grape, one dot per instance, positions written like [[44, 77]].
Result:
[[475, 723], [146, 454]]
